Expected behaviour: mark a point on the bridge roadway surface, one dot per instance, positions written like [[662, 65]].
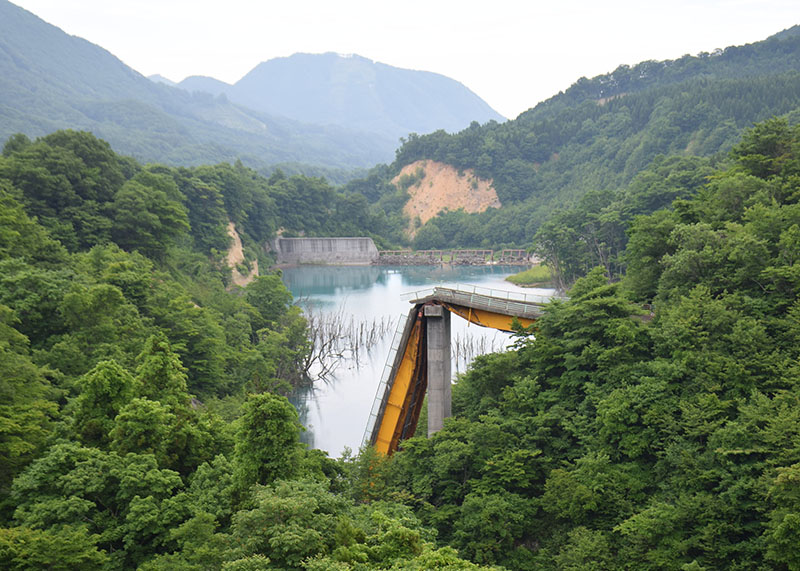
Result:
[[420, 352]]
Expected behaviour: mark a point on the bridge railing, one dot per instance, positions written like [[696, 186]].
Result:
[[444, 292], [388, 372]]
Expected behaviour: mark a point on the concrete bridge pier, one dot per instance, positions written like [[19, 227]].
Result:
[[437, 320]]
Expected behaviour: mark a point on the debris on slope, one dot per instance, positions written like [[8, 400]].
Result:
[[236, 257], [433, 186]]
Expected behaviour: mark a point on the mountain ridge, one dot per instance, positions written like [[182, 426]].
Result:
[[353, 90], [599, 134], [50, 80]]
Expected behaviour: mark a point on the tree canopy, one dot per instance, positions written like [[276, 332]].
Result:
[[650, 420]]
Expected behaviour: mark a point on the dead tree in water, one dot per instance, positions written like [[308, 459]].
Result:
[[336, 338], [465, 347]]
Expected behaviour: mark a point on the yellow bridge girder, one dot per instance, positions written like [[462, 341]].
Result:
[[486, 318], [396, 407], [401, 409]]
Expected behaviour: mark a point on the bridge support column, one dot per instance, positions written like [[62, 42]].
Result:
[[438, 341]]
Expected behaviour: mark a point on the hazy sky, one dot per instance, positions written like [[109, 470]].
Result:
[[513, 54]]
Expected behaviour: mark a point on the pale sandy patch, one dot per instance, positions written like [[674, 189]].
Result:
[[236, 257], [442, 187]]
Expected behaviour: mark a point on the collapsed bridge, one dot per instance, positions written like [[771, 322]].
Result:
[[419, 360]]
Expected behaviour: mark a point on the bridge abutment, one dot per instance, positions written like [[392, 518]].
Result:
[[437, 320]]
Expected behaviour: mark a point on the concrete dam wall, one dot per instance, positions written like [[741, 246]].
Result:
[[354, 251]]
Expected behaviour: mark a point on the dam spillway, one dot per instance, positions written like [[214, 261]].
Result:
[[326, 251]]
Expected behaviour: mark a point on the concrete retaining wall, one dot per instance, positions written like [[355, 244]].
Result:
[[325, 250]]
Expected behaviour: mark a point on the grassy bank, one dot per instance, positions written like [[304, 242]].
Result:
[[535, 276]]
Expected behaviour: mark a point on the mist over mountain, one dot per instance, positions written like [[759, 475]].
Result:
[[204, 83], [158, 78], [325, 111], [50, 80], [355, 92]]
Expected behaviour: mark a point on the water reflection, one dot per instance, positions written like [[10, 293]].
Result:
[[309, 281]]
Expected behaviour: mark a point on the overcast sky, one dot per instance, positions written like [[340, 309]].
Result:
[[513, 54]]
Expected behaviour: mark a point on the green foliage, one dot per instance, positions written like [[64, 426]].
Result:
[[278, 362], [290, 521], [595, 231], [65, 548], [105, 391], [247, 198], [21, 237], [67, 81], [34, 293], [311, 206], [143, 426], [603, 135], [67, 180], [100, 324], [489, 525], [536, 275], [26, 407], [147, 215], [196, 337], [269, 297], [406, 181], [784, 526], [126, 501], [160, 374], [267, 441], [657, 438], [611, 436]]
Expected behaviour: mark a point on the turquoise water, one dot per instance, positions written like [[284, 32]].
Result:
[[365, 302]]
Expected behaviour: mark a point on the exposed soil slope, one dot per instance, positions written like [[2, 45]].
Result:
[[438, 186], [236, 257]]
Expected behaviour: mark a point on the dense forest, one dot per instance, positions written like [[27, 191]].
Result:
[[599, 135], [143, 396], [650, 421]]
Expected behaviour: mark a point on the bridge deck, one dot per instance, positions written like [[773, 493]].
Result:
[[396, 409], [507, 303]]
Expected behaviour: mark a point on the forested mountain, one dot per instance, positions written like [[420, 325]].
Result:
[[50, 80], [322, 110], [617, 436], [142, 424], [355, 92], [648, 421], [601, 133], [141, 395]]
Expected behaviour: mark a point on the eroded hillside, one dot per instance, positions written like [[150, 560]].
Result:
[[434, 186]]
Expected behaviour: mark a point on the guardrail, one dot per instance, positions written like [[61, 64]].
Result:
[[445, 292], [388, 372]]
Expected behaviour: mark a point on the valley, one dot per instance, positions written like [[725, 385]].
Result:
[[184, 386]]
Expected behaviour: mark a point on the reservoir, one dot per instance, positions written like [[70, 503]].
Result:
[[362, 305]]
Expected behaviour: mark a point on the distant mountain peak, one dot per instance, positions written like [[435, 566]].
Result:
[[328, 109], [204, 83], [157, 78], [357, 92], [50, 80]]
